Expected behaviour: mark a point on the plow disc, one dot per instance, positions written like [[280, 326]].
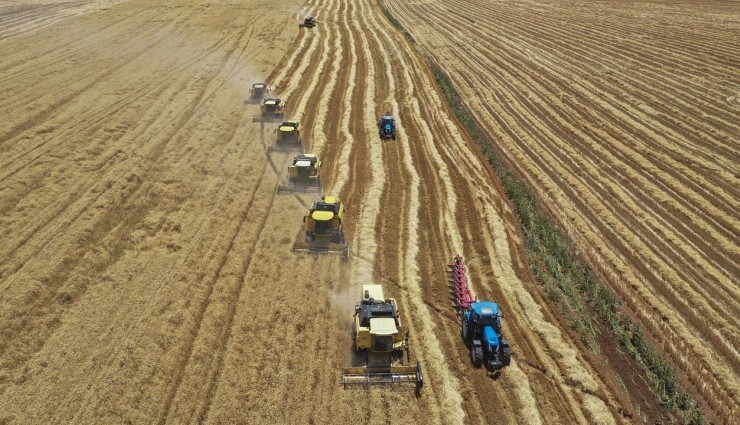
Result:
[[395, 375], [463, 296]]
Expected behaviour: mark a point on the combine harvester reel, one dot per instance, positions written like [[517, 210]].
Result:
[[304, 176], [379, 337], [324, 229], [480, 324]]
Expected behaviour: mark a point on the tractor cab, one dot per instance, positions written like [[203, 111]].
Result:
[[387, 127], [486, 314]]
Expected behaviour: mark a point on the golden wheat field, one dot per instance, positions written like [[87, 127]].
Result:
[[146, 272]]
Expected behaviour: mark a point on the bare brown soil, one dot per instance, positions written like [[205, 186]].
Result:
[[145, 265]]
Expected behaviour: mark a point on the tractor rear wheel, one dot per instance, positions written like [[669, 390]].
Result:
[[464, 330], [476, 354], [505, 353]]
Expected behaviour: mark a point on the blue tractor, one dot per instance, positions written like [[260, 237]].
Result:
[[387, 127], [481, 331]]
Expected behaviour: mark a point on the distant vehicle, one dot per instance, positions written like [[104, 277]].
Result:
[[387, 127], [257, 92], [308, 22]]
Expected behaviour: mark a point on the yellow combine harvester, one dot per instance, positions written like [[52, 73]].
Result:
[[288, 137], [379, 336], [303, 175], [272, 109], [257, 93], [324, 229]]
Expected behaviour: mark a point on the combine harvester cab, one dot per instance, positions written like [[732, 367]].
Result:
[[480, 324], [324, 229], [379, 336], [387, 127], [271, 109], [288, 137], [257, 93], [304, 175]]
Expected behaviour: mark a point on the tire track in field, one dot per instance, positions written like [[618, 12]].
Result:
[[364, 232], [184, 391], [153, 154], [89, 119], [34, 17], [156, 88]]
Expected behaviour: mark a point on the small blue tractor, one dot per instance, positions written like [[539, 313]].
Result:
[[481, 331], [387, 127]]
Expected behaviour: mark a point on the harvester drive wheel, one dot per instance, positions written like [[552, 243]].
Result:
[[476, 353], [419, 378]]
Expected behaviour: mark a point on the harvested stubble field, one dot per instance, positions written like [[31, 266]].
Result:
[[145, 265], [623, 118]]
